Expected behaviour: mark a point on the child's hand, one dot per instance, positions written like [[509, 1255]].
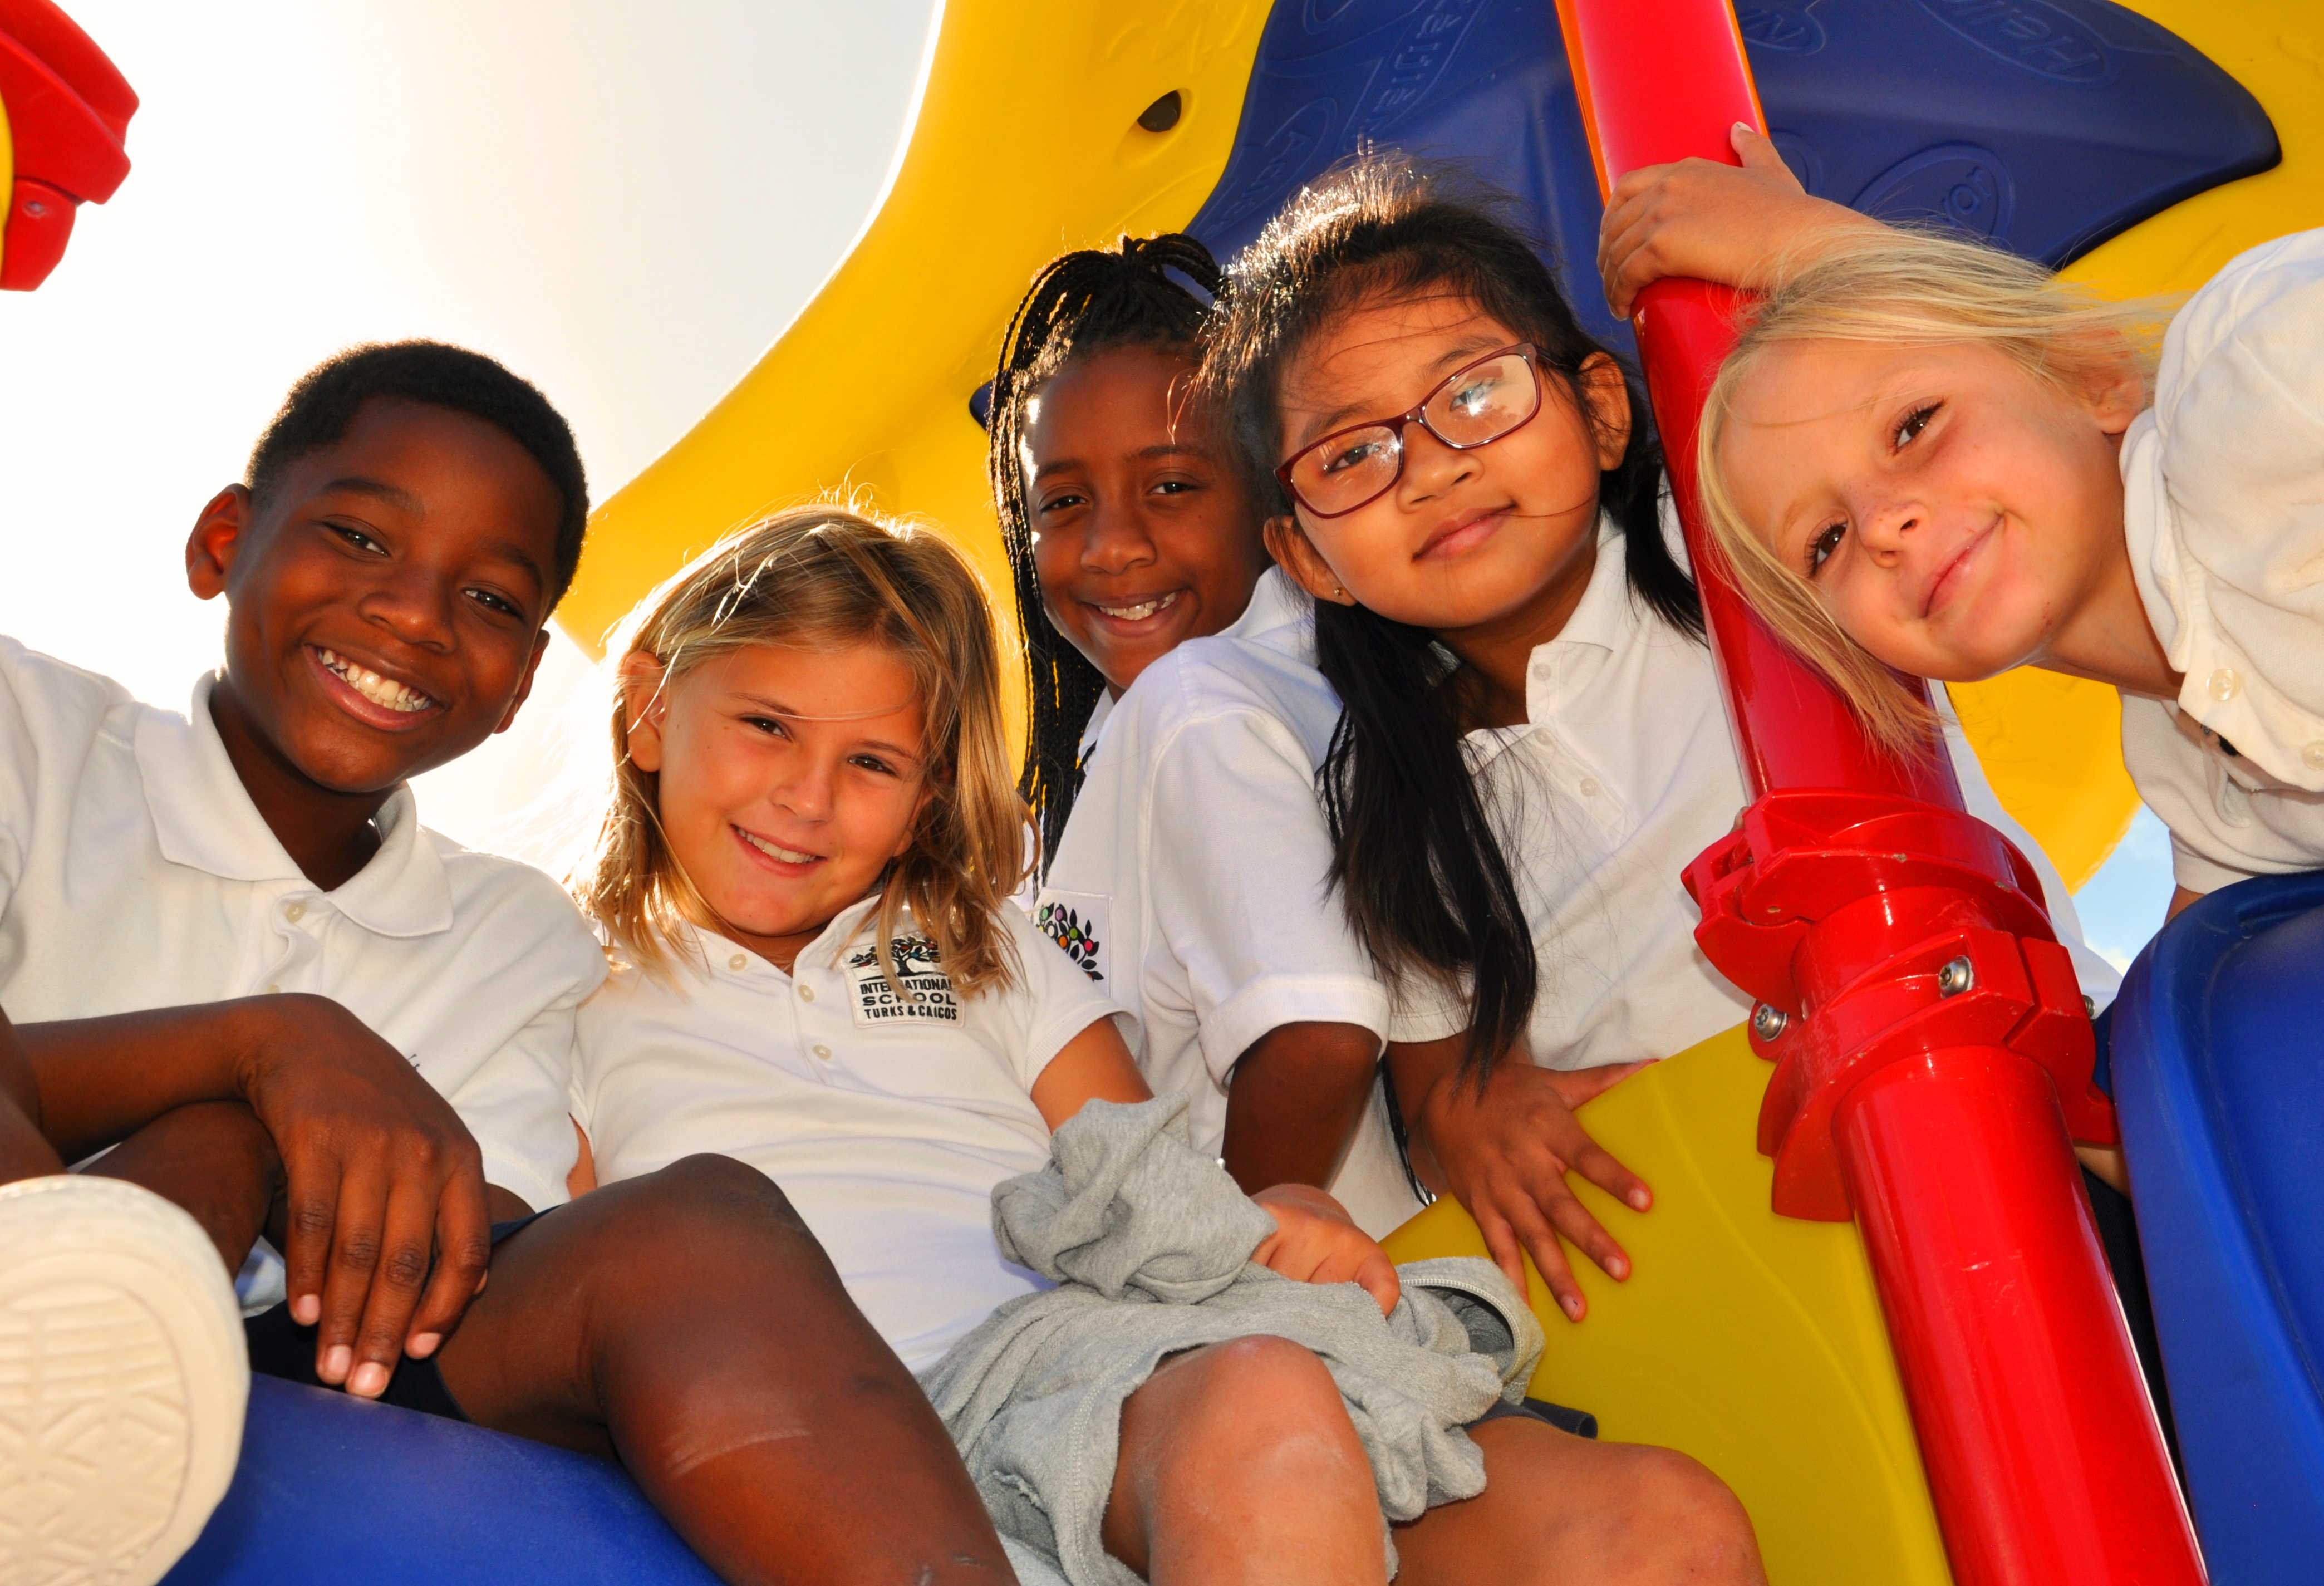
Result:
[[1708, 220], [1505, 1154], [1315, 1241], [381, 1175]]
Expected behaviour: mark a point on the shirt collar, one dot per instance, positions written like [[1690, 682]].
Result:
[[204, 819], [1275, 603], [1604, 622]]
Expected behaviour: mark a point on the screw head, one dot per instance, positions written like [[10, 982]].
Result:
[[1769, 1023], [2090, 1007], [1956, 977]]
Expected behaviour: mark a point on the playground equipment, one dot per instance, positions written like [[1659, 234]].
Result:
[[67, 111]]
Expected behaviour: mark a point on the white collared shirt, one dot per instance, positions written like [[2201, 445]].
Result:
[[2223, 507], [135, 873], [887, 1123], [1190, 879], [1623, 773]]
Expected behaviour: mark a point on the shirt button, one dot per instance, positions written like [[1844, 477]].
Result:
[[823, 1052], [2225, 683], [1589, 787], [807, 993], [738, 962], [294, 912], [273, 989], [2314, 755]]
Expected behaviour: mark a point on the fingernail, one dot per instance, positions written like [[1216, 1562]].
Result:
[[335, 1361], [1742, 126], [1618, 1268], [369, 1381], [422, 1345], [1573, 1303], [306, 1309], [1640, 1200]]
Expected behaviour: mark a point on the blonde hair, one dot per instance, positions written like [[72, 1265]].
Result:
[[1903, 288], [814, 577]]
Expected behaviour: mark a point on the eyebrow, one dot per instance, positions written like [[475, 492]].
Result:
[[1468, 346], [1167, 448], [403, 501], [775, 708]]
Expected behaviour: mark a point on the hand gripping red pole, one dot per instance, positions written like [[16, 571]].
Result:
[[1931, 1050]]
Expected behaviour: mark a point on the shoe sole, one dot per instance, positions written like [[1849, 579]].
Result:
[[123, 1377]]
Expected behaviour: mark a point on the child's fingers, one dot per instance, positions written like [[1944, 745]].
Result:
[[1754, 148], [1585, 1232], [1576, 1085], [1501, 1241], [1595, 1163], [1377, 1273], [1549, 1260], [404, 1240], [310, 1212], [355, 1238], [463, 1249]]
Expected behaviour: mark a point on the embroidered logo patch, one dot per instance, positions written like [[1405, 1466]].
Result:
[[927, 990], [1076, 922]]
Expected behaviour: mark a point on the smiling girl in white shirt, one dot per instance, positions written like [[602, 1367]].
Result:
[[1534, 744], [804, 872]]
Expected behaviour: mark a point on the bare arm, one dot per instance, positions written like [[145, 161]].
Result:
[[1295, 1101], [1094, 1066]]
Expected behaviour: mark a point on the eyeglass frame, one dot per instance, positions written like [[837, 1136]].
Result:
[[1417, 414]]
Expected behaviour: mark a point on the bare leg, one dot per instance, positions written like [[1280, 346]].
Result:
[[216, 1160], [24, 1152], [689, 1322], [1238, 1464], [1558, 1509]]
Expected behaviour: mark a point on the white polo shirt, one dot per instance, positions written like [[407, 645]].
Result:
[[135, 873], [886, 1123], [2223, 507], [1190, 883], [1626, 771]]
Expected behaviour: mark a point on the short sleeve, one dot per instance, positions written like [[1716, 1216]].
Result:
[[2221, 832], [517, 1106], [1053, 1000], [1237, 875]]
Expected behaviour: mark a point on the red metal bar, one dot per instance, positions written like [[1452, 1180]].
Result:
[[1932, 1051]]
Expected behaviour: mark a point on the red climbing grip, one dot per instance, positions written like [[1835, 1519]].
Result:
[[68, 111]]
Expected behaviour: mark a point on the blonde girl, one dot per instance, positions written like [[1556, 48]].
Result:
[[1927, 454]]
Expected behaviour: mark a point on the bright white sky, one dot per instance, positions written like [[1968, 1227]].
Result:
[[625, 200]]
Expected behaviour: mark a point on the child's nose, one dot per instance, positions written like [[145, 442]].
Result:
[[1885, 527], [1119, 539], [417, 608], [1430, 467], [806, 791]]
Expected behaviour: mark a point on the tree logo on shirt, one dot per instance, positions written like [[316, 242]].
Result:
[[1079, 931], [921, 989]]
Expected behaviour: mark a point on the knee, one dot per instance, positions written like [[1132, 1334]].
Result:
[[1684, 1524], [696, 1208], [1255, 1406]]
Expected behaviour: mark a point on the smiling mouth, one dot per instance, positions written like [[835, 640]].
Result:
[[1943, 581], [776, 851], [1141, 609], [1457, 537], [383, 692]]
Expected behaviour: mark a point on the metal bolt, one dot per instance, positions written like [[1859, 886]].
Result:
[[2090, 1007], [1769, 1023], [1956, 977]]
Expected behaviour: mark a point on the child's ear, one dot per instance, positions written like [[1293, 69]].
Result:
[[218, 538], [2116, 398], [524, 684], [644, 703], [1607, 396], [1296, 555]]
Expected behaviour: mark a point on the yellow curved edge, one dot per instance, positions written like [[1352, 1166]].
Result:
[[2052, 744], [1752, 1341], [7, 180]]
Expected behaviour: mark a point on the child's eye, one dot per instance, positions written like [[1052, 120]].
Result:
[[1354, 454], [767, 724], [872, 763], [1914, 422], [1475, 397], [1175, 487], [493, 603], [1059, 504], [1825, 541], [358, 538]]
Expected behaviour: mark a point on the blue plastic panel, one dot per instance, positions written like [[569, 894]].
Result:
[[334, 1488], [2044, 126], [2218, 1067]]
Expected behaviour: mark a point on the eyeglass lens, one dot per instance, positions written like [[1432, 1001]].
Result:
[[1478, 405]]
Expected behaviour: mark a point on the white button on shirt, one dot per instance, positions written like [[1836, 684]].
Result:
[[135, 873], [2223, 509], [1190, 882], [887, 1130], [1627, 709]]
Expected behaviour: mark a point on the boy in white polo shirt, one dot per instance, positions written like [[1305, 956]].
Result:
[[182, 898]]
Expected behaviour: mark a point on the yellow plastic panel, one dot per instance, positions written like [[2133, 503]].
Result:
[[7, 176], [1025, 143], [1752, 1341], [2052, 744]]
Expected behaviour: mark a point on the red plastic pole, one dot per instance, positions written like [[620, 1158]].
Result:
[[1932, 1055]]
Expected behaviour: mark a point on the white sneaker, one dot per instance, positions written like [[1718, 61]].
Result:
[[123, 1380]]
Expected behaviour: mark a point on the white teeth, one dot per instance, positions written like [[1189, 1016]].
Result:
[[1145, 608], [774, 851], [379, 690]]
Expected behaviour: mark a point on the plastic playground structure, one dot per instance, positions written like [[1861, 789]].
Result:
[[1871, 1296]]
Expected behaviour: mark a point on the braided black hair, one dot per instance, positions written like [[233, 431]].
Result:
[[1416, 854], [1085, 301]]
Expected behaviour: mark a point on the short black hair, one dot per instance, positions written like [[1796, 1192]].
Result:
[[322, 407]]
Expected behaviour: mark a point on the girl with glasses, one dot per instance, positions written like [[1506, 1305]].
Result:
[[1532, 742]]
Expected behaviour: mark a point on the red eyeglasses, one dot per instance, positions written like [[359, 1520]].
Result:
[[1476, 404]]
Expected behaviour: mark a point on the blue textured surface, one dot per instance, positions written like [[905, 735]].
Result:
[[331, 1489], [2219, 1072], [2044, 126]]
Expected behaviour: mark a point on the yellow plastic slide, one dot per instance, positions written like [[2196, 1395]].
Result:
[[1751, 1342]]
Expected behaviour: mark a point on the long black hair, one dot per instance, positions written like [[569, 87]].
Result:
[[1085, 301], [1416, 858]]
